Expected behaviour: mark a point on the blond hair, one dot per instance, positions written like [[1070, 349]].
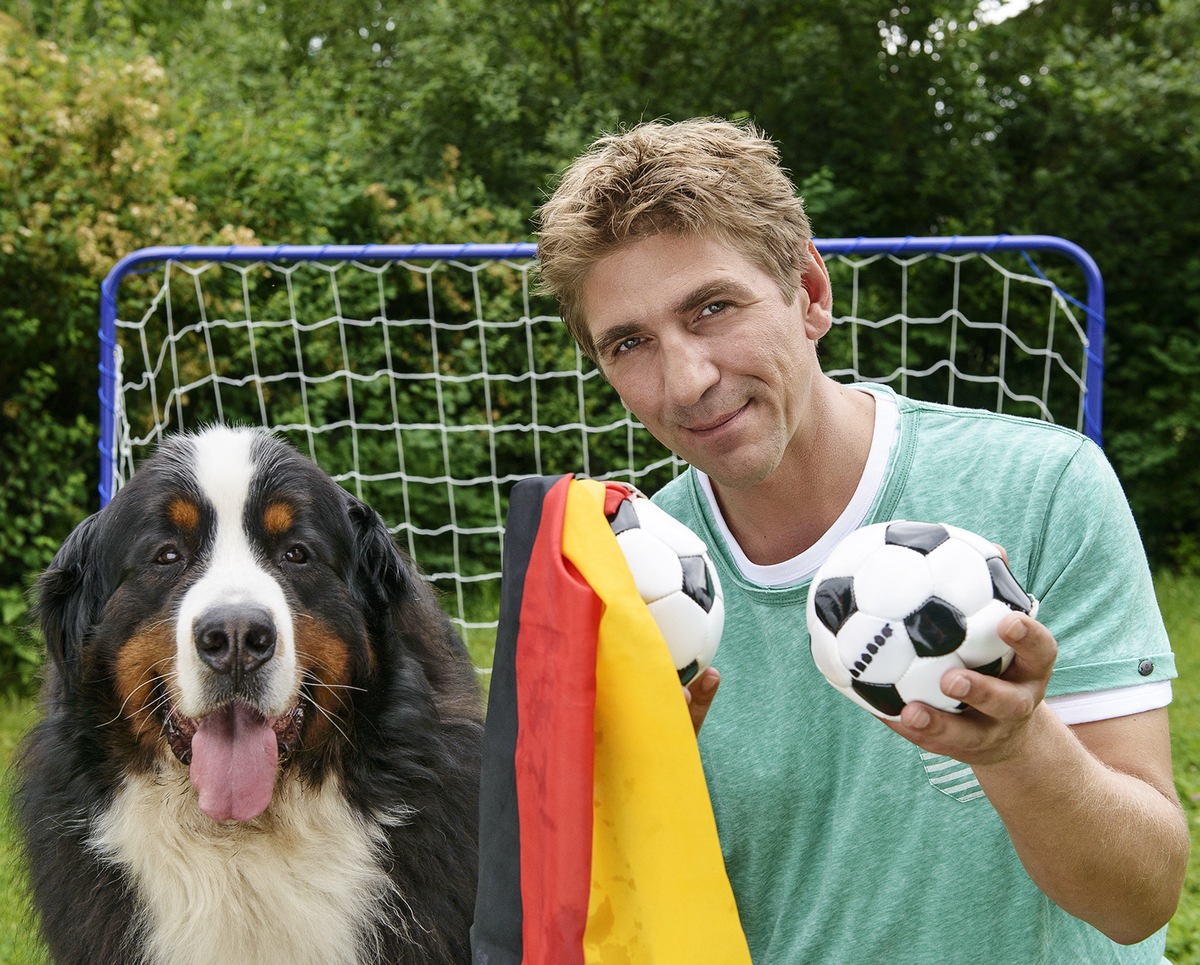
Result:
[[702, 176]]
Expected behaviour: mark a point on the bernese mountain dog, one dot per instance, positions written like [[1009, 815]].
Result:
[[261, 735]]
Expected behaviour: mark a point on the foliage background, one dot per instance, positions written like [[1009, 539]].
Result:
[[125, 123]]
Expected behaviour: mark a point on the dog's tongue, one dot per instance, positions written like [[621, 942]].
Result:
[[234, 757]]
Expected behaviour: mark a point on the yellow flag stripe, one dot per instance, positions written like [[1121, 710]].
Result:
[[659, 891]]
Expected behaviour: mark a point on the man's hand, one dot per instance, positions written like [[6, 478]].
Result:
[[699, 694], [995, 721]]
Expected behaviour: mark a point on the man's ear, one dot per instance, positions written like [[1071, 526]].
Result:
[[815, 281]]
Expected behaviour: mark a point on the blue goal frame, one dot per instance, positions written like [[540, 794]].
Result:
[[138, 261]]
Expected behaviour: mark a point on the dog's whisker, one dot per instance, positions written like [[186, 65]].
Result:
[[312, 659], [325, 686], [150, 679], [348, 688], [340, 698], [333, 722]]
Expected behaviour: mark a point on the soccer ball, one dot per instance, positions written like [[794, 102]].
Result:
[[676, 579], [898, 604]]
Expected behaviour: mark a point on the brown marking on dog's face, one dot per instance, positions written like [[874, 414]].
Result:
[[185, 514], [144, 659], [278, 518], [325, 658]]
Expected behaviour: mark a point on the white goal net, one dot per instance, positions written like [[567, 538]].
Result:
[[429, 379]]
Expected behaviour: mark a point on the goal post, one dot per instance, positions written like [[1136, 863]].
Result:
[[1072, 359], [428, 379]]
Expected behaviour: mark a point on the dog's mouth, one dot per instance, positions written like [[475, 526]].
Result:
[[233, 755]]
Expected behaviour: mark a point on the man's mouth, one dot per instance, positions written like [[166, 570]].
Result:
[[716, 422]]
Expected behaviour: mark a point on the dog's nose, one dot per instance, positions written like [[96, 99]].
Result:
[[235, 639]]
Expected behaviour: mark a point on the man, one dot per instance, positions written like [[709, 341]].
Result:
[[684, 266]]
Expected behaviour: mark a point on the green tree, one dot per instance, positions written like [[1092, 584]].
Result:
[[85, 175], [1100, 144]]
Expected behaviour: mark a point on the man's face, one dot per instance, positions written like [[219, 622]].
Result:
[[704, 350]]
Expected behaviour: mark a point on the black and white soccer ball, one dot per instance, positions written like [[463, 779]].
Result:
[[676, 578], [898, 604]]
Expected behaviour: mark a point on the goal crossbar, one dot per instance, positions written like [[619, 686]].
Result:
[[1092, 302]]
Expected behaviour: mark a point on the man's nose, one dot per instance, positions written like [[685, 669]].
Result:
[[689, 370]]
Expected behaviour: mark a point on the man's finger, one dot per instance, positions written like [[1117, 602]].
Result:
[[699, 694]]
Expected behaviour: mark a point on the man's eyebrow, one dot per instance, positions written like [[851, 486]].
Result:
[[712, 291], [614, 336]]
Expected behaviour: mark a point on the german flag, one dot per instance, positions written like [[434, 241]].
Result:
[[597, 839]]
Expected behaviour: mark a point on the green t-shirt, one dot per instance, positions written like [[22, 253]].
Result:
[[844, 842]]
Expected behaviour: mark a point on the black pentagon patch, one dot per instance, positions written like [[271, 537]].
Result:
[[936, 628], [992, 669], [920, 537], [883, 697], [1005, 587], [834, 602], [696, 583], [624, 518]]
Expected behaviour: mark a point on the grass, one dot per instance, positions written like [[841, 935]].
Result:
[[19, 944], [1178, 596]]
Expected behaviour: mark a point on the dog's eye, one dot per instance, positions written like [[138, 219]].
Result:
[[296, 554], [168, 555]]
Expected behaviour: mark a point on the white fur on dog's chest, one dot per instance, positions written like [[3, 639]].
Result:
[[301, 884]]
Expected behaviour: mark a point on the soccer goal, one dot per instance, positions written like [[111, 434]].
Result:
[[428, 379]]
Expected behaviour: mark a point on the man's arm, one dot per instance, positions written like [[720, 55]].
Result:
[[1090, 809]]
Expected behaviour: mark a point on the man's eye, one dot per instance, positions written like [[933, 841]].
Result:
[[627, 344], [713, 308]]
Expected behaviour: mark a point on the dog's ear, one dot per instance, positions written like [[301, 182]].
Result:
[[404, 607], [378, 570], [70, 598]]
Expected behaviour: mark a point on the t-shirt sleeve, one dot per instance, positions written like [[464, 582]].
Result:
[[1094, 584]]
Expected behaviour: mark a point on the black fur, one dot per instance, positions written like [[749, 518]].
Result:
[[407, 735]]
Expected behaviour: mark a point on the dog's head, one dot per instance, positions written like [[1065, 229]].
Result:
[[227, 610]]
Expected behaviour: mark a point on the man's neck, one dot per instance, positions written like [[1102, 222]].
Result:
[[785, 514]]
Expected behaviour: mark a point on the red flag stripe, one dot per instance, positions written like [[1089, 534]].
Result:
[[556, 695]]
